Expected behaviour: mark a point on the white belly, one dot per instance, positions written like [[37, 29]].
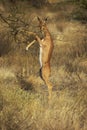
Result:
[[40, 56]]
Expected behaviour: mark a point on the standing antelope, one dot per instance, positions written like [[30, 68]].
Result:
[[46, 49]]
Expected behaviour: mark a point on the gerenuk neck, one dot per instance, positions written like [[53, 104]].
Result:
[[47, 33]]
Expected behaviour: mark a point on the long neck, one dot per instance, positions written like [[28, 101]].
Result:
[[46, 32]]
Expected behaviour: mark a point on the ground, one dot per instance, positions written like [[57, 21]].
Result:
[[24, 101]]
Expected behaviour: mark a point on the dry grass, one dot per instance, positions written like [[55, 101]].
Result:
[[23, 109], [23, 95], [24, 101]]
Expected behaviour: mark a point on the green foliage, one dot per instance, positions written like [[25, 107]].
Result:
[[38, 3], [80, 11], [83, 3], [80, 15]]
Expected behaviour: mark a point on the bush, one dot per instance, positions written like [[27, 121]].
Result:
[[83, 3], [5, 47]]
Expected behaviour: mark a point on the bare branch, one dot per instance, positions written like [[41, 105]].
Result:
[[4, 19], [18, 28]]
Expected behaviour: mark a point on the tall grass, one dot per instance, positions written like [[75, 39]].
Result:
[[21, 109], [24, 96]]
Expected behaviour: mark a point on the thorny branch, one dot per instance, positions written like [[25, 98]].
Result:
[[17, 27]]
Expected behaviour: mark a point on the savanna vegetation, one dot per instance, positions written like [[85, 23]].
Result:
[[23, 95]]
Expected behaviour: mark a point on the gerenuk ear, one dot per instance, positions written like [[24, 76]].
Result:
[[38, 19], [46, 19]]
